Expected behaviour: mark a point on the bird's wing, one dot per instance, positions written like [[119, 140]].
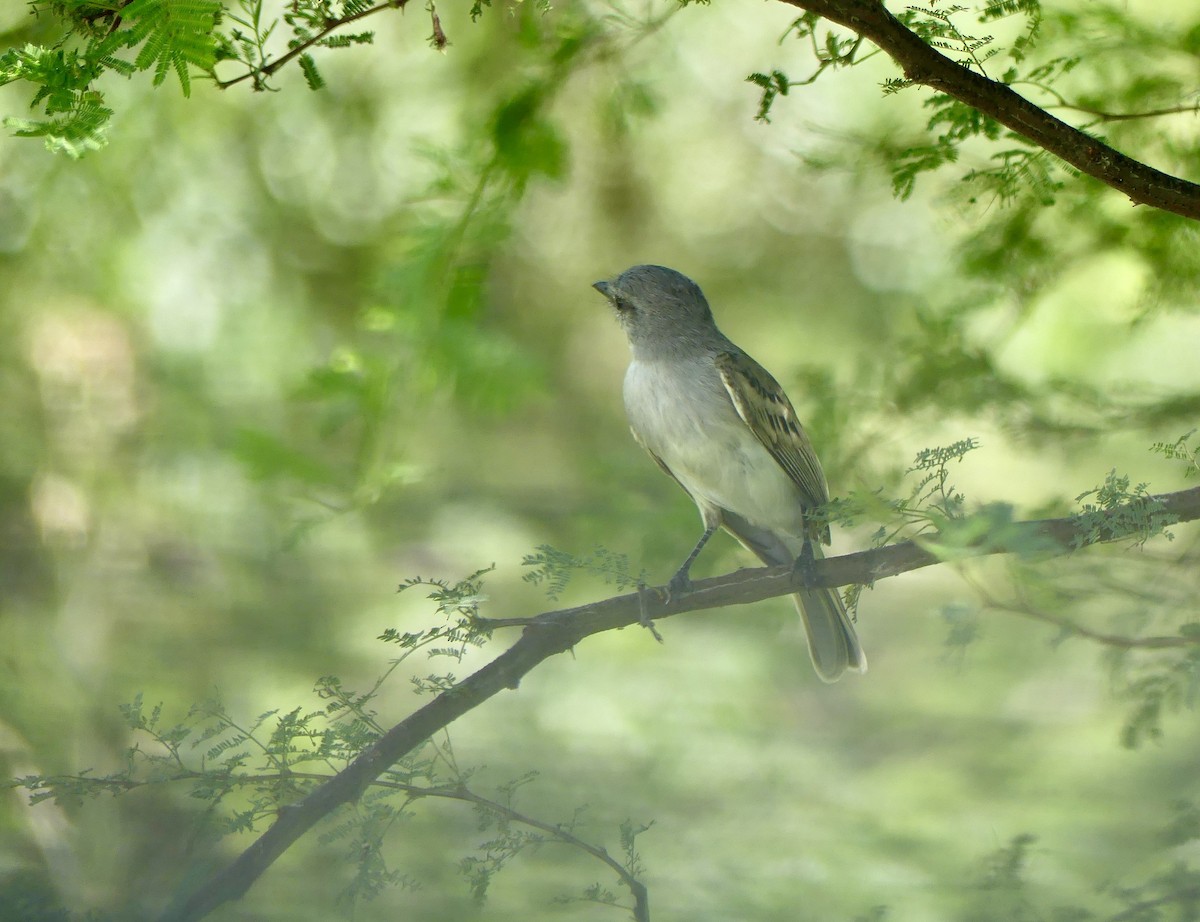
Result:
[[765, 544], [765, 408], [660, 462]]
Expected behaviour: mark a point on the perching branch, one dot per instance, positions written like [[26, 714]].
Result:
[[558, 631], [923, 64]]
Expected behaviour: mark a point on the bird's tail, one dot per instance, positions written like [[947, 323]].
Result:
[[832, 642]]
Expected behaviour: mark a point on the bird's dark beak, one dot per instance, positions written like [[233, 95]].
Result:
[[601, 287]]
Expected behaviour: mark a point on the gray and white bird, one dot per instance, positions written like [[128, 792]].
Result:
[[717, 422]]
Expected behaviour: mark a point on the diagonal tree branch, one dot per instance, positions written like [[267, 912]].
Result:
[[558, 631], [923, 64]]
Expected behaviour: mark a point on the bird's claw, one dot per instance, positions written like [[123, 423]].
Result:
[[644, 618], [679, 586]]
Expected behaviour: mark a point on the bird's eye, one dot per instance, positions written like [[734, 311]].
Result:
[[622, 305]]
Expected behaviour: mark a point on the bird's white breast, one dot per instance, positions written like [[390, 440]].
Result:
[[680, 410]]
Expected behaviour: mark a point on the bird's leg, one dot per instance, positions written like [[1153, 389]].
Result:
[[644, 618], [803, 564], [681, 583]]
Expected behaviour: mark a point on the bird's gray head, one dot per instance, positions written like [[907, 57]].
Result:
[[661, 311]]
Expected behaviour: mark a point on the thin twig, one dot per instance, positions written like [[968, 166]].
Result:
[[459, 792], [269, 67], [1120, 641], [1061, 102]]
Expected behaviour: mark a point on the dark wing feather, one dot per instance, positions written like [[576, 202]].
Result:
[[765, 408]]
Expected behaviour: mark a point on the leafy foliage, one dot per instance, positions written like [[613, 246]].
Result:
[[437, 344], [1155, 691], [311, 75], [1121, 512], [933, 487], [173, 35], [508, 839], [773, 84], [169, 36], [1185, 448], [1023, 170], [939, 27], [428, 323], [76, 114], [246, 773], [1002, 881], [554, 568], [932, 503], [182, 36], [830, 49]]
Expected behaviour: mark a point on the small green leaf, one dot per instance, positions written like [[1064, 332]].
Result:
[[311, 75]]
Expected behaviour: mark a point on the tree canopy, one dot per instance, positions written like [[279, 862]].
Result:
[[295, 309]]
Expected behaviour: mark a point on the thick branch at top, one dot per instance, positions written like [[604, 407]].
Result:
[[923, 64]]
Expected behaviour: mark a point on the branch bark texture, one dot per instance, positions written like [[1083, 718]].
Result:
[[925, 65], [558, 631]]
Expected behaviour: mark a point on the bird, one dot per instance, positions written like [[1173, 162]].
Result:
[[717, 421]]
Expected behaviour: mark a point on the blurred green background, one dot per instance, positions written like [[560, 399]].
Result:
[[269, 354]]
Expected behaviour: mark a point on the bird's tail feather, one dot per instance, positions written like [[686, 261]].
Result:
[[832, 642]]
